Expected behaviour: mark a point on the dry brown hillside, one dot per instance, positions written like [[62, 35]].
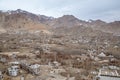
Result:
[[20, 20]]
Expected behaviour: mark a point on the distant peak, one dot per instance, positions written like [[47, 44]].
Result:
[[96, 21], [19, 10], [99, 20], [16, 11], [68, 16]]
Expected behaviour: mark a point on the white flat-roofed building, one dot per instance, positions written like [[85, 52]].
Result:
[[108, 74], [13, 70], [1, 76], [35, 69], [107, 78]]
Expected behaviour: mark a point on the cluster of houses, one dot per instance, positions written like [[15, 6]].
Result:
[[15, 67], [32, 68], [1, 76], [108, 73]]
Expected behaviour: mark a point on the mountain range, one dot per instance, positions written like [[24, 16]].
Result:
[[24, 20]]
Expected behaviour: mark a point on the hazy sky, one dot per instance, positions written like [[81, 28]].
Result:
[[108, 10]]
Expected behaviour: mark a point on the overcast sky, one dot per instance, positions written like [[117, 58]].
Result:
[[107, 10]]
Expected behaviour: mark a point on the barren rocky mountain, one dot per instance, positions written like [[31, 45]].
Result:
[[112, 27], [20, 20], [23, 20], [66, 21]]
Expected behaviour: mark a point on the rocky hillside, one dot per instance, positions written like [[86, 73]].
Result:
[[66, 21], [112, 27], [23, 20], [20, 20]]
